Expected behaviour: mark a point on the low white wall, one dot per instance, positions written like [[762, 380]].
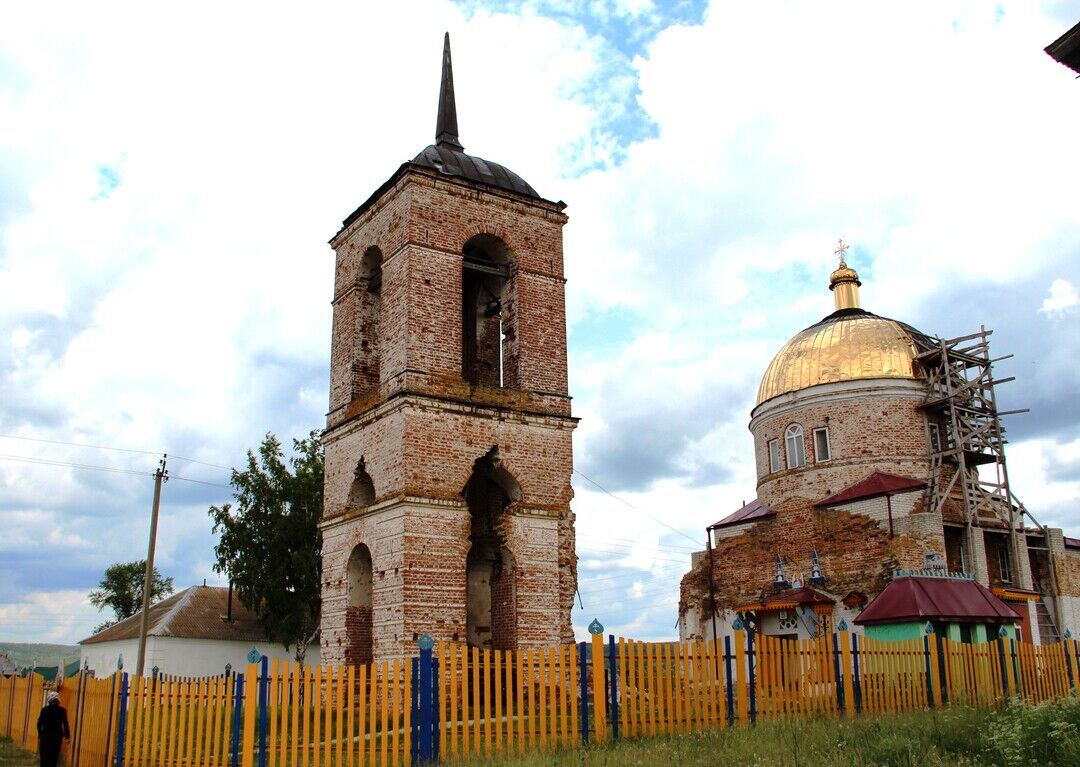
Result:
[[184, 657]]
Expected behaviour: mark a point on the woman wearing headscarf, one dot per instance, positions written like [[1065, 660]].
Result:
[[52, 728]]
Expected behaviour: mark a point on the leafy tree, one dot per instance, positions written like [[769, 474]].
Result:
[[270, 545], [122, 590]]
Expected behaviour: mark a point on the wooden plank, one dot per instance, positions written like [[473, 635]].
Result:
[[384, 709], [575, 685], [475, 707], [395, 711], [351, 703], [444, 696], [406, 740], [599, 724], [740, 676], [530, 685], [497, 692], [455, 693], [521, 712]]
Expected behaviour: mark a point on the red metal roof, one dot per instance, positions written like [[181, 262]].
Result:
[[875, 485], [789, 598], [748, 513], [1072, 543], [954, 600]]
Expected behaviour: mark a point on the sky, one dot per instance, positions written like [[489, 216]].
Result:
[[170, 176]]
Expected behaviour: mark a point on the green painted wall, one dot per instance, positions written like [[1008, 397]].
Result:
[[896, 632]]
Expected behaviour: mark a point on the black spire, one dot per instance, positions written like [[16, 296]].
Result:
[[446, 131]]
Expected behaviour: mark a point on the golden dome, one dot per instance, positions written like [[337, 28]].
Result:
[[847, 345]]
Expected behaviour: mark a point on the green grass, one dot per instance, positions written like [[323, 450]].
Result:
[[15, 756], [1015, 734]]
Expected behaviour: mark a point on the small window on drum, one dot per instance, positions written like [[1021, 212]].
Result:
[[822, 450], [774, 455], [935, 438], [796, 447]]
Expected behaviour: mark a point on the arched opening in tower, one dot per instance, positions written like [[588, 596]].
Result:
[[488, 317], [358, 614], [490, 567], [366, 363], [362, 491]]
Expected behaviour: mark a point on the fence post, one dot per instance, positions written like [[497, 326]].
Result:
[[251, 700], [612, 676], [424, 751], [729, 684], [11, 705], [121, 721], [1068, 660], [837, 679], [26, 706], [740, 674], [583, 663], [436, 720], [856, 676], [929, 674], [1015, 668], [599, 686], [414, 717], [750, 658], [264, 681], [849, 689], [238, 702], [943, 678], [1005, 670]]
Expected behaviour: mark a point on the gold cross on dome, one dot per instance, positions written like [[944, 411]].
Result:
[[841, 249]]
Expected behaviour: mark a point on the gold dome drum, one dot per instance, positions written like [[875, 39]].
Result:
[[846, 346]]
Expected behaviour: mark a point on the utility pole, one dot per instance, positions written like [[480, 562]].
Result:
[[161, 475]]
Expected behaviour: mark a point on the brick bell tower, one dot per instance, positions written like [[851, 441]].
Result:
[[448, 441]]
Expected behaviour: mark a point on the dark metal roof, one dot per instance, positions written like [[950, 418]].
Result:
[[877, 484], [1066, 49], [449, 161], [748, 513], [927, 598]]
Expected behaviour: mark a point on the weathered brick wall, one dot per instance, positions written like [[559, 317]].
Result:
[[420, 432], [873, 426]]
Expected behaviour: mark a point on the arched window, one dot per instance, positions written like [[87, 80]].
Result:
[[490, 566], [358, 616], [369, 304], [362, 492], [488, 338], [796, 448]]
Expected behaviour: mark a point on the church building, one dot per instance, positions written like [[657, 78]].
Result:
[[448, 438], [880, 456]]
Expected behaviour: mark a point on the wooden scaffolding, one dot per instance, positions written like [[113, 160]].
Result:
[[968, 468]]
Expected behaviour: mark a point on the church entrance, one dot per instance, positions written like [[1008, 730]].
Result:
[[490, 567]]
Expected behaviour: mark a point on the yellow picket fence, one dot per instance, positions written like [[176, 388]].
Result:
[[507, 701], [456, 701], [21, 699]]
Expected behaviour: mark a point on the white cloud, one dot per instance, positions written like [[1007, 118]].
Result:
[[188, 310], [48, 616], [1062, 298]]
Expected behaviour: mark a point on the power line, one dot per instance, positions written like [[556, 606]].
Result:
[[47, 462], [201, 463], [634, 541], [117, 449], [79, 444], [632, 506], [201, 482]]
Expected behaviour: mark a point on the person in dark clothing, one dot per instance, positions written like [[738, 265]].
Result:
[[52, 727]]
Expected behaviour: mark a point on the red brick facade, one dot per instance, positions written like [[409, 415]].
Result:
[[452, 461]]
